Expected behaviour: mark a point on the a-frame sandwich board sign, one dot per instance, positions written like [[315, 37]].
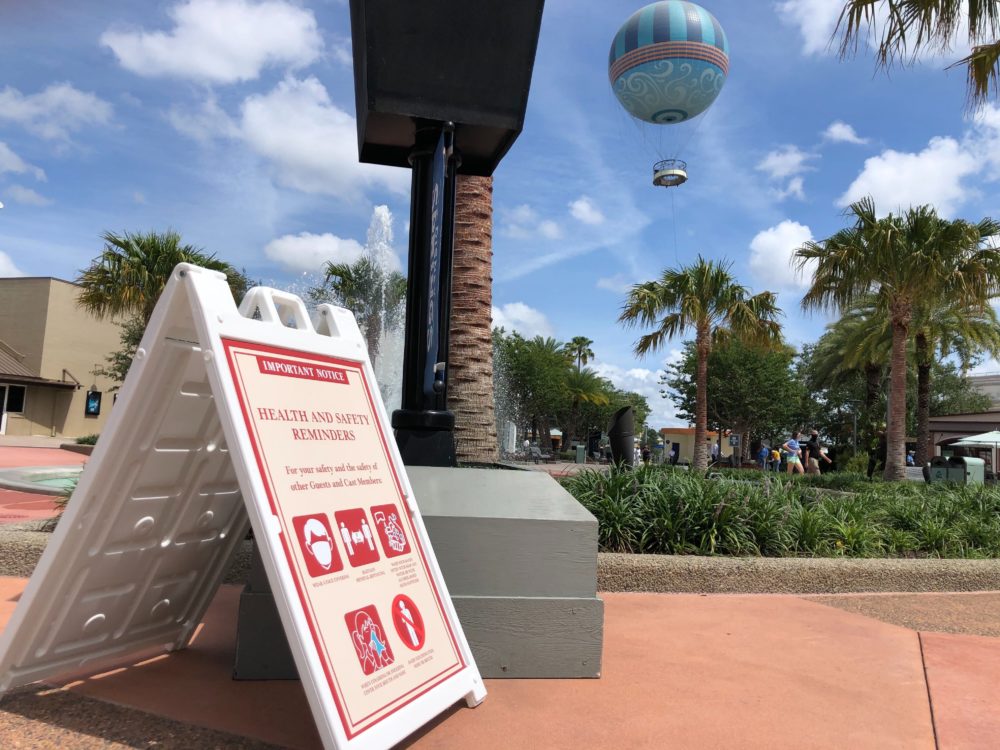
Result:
[[253, 413]]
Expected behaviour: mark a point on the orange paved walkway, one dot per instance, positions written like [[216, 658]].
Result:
[[683, 671]]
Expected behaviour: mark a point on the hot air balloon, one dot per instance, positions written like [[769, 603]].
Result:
[[667, 64]]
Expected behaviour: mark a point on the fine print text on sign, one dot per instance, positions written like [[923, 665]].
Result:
[[361, 575]]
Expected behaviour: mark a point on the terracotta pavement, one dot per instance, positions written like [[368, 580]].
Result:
[[680, 671], [24, 506]]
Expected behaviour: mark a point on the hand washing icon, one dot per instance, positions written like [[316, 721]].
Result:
[[390, 530]]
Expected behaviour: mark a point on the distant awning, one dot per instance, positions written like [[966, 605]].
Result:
[[984, 438]]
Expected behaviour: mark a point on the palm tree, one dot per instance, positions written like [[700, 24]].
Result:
[[705, 297], [470, 343], [858, 343], [127, 278], [543, 366], [910, 25], [900, 260], [579, 349], [372, 293], [941, 330], [582, 386]]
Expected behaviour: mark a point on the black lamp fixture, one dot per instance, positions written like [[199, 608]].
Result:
[[441, 86]]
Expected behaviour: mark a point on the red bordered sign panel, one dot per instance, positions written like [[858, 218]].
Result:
[[374, 613]]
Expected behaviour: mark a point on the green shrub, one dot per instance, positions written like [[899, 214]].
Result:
[[857, 464], [664, 511], [87, 440]]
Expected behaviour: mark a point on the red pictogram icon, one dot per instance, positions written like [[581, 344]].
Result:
[[409, 624], [390, 530], [318, 547], [369, 639], [357, 536]]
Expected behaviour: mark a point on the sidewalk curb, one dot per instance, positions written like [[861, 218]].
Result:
[[785, 575], [21, 546]]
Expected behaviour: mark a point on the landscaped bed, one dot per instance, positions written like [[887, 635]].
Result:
[[657, 510]]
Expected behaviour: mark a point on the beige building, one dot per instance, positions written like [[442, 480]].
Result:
[[49, 349], [681, 439], [988, 384]]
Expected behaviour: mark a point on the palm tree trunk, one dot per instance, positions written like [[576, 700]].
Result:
[[895, 462], [545, 434], [470, 359], [869, 423], [924, 449], [570, 430], [702, 343]]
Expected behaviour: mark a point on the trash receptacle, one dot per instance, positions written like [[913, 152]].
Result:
[[581, 454], [620, 433], [937, 469], [966, 470]]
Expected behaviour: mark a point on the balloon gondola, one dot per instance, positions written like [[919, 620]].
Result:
[[668, 63]]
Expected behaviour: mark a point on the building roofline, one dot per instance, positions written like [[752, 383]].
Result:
[[37, 278], [968, 414]]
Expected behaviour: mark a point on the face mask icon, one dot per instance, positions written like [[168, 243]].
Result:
[[317, 544]]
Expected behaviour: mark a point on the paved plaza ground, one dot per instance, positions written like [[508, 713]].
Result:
[[16, 507], [679, 671]]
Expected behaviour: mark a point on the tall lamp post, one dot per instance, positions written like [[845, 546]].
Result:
[[441, 87]]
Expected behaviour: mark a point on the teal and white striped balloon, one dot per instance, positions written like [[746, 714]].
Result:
[[668, 62]]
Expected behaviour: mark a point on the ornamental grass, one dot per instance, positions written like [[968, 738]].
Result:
[[657, 510]]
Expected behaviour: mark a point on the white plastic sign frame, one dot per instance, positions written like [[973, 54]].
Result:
[[195, 446]]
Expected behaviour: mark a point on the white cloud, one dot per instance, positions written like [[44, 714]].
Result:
[[841, 132], [550, 230], [816, 20], [139, 197], [771, 253], [309, 252], [26, 196], [55, 112], [311, 143], [786, 161], [934, 176], [220, 41], [618, 284], [517, 316], [663, 412], [794, 189], [7, 267], [583, 209], [524, 223], [207, 122], [341, 50], [11, 162]]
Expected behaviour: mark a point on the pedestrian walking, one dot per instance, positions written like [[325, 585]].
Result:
[[814, 454], [793, 450], [762, 457]]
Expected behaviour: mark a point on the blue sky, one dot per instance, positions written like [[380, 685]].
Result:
[[232, 121]]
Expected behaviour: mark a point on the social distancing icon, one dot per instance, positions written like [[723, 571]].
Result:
[[357, 535], [409, 624], [390, 530]]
